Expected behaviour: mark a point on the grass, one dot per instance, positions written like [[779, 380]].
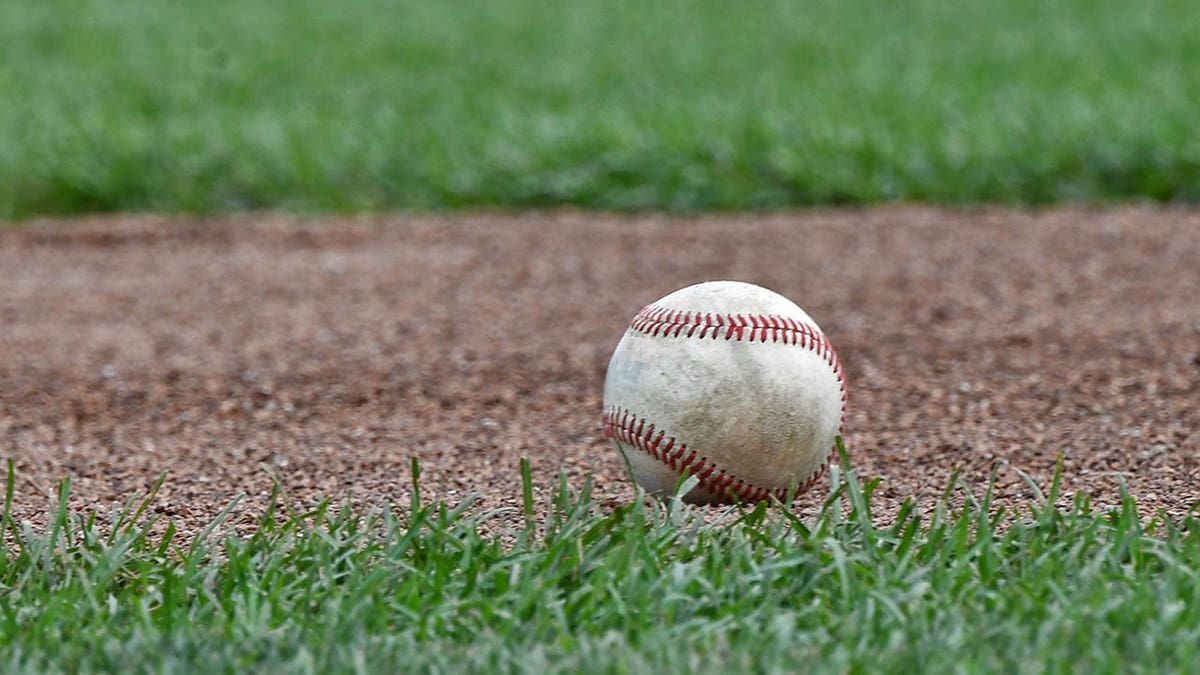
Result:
[[307, 105], [643, 588]]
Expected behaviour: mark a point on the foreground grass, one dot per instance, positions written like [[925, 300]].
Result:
[[372, 104], [646, 588]]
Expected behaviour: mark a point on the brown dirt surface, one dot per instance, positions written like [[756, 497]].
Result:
[[327, 354]]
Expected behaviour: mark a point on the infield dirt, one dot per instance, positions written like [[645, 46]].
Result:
[[328, 353]]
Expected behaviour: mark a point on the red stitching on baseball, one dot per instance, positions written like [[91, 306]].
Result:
[[655, 321], [660, 321], [627, 427]]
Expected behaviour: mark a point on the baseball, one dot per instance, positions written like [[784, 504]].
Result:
[[731, 383]]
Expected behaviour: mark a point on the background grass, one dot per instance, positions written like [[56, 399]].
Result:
[[381, 104], [645, 588]]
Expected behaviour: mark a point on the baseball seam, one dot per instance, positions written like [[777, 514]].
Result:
[[627, 426]]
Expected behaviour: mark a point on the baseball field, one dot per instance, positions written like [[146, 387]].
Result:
[[306, 308]]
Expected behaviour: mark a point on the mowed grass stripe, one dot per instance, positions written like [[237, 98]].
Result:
[[376, 104]]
